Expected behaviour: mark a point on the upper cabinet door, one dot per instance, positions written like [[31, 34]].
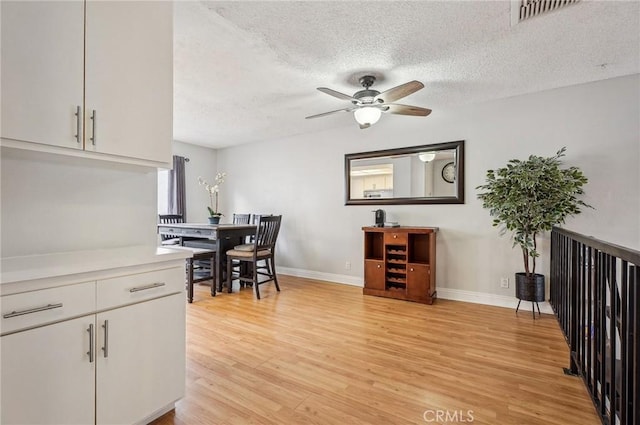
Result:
[[42, 71], [129, 79]]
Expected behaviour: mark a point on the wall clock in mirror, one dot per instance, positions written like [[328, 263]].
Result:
[[449, 172]]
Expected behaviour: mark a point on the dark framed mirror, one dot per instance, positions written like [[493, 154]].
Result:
[[426, 174]]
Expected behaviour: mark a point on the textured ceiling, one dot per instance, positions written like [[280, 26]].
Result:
[[248, 71]]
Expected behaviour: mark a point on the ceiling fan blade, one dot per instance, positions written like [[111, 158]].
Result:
[[394, 108], [398, 92], [337, 94], [331, 112]]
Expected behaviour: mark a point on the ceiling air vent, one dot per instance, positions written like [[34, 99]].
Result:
[[522, 10]]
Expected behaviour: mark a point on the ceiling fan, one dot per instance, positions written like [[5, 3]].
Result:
[[369, 104]]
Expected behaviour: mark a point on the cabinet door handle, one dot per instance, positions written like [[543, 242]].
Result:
[[411, 269], [94, 118], [379, 266], [395, 236], [105, 348], [90, 352], [31, 310], [78, 120], [144, 288]]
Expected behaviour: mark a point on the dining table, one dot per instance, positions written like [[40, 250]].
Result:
[[219, 237]]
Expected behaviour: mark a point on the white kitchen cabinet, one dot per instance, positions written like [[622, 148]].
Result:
[[108, 349], [362, 184], [42, 71], [357, 187], [114, 67], [47, 376], [388, 181], [129, 78], [136, 366], [378, 182], [142, 340]]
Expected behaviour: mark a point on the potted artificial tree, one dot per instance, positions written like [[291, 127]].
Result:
[[528, 198]]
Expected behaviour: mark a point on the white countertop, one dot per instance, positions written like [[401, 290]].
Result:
[[46, 266]]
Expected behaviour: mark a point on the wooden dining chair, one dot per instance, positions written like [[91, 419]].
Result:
[[201, 266], [196, 273], [262, 249], [206, 244], [169, 219]]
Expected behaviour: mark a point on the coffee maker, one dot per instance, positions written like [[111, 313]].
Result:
[[380, 218]]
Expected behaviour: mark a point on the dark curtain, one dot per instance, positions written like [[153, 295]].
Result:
[[177, 198]]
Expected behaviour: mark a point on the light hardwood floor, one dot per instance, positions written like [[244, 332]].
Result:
[[322, 353]]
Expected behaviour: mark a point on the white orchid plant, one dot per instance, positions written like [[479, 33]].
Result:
[[213, 190]]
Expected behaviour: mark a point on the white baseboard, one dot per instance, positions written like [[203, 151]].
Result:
[[329, 277], [444, 293], [489, 299], [158, 413]]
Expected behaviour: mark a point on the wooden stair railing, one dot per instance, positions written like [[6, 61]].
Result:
[[595, 294]]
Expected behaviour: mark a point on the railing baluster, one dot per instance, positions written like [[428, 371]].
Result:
[[590, 320], [624, 358], [602, 329], [573, 308], [613, 300], [567, 287], [634, 325], [598, 333], [595, 333], [564, 288], [553, 267], [582, 308]]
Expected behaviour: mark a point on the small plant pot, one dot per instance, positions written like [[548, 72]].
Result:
[[530, 288], [214, 220]]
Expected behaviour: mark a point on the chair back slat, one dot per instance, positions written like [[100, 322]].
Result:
[[241, 218], [170, 218], [255, 218], [267, 232]]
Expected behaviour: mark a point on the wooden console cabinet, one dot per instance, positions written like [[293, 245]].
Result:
[[400, 262]]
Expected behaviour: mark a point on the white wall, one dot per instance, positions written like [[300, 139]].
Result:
[[53, 204], [402, 176], [302, 178], [202, 162]]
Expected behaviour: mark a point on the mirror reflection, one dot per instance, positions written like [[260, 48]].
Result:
[[419, 174]]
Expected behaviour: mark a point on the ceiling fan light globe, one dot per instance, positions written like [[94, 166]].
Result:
[[367, 115], [426, 156]]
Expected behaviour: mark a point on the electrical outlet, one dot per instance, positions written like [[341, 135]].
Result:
[[504, 282], [347, 265]]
